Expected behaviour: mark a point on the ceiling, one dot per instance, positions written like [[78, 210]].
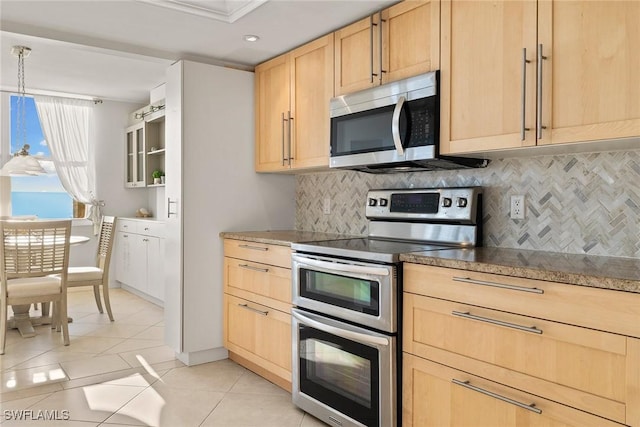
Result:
[[119, 50]]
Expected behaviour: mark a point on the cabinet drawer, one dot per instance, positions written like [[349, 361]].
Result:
[[435, 395], [150, 228], [258, 252], [613, 311], [260, 334], [590, 366], [125, 225], [262, 283]]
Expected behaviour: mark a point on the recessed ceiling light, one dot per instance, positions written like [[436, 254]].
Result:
[[251, 38]]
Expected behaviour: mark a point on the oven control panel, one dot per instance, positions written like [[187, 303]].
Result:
[[457, 205]]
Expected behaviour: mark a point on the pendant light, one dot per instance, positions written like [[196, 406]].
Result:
[[22, 163]]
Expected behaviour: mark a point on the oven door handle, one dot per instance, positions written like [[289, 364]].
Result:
[[340, 332], [343, 268], [395, 126]]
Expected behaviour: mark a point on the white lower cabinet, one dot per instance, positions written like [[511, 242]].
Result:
[[139, 258]]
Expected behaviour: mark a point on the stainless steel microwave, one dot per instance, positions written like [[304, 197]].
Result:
[[391, 128]]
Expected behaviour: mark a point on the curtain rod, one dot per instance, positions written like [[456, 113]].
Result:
[[13, 92]]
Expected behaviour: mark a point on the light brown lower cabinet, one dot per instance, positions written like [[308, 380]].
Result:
[[257, 304], [439, 396], [489, 350], [261, 335]]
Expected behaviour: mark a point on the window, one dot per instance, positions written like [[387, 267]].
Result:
[[42, 195]]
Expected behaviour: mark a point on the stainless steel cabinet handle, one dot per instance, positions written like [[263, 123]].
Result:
[[395, 126], [255, 310], [371, 43], [341, 268], [256, 248], [380, 39], [523, 128], [466, 384], [541, 57], [499, 285], [316, 322], [470, 316], [250, 267], [169, 203], [290, 135], [284, 159]]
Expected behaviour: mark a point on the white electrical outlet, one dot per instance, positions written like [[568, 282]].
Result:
[[326, 206], [517, 207]]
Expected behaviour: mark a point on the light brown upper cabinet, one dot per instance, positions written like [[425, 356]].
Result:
[[398, 42], [527, 73], [292, 108]]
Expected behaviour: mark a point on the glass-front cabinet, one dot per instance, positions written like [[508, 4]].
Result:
[[145, 150], [135, 161]]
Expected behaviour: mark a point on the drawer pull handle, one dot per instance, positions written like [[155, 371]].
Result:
[[255, 310], [250, 267], [498, 285], [466, 384], [255, 248], [470, 316]]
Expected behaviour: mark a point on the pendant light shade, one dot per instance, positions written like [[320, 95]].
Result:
[[22, 164]]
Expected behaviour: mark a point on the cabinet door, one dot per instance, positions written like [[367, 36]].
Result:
[[272, 115], [155, 270], [590, 77], [122, 251], [311, 91], [135, 156], [411, 39], [259, 334], [436, 395], [357, 56], [483, 75], [137, 277]]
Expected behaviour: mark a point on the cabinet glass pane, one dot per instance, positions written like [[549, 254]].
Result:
[[130, 156], [140, 155]]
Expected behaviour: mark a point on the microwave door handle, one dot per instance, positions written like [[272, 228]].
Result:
[[340, 332], [395, 126], [344, 268]]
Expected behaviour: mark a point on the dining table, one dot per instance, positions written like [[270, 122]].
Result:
[[21, 318]]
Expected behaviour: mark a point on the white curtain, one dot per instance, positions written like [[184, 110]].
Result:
[[65, 124]]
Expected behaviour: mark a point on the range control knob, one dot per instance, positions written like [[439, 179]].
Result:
[[461, 202], [384, 202], [373, 202], [446, 202]]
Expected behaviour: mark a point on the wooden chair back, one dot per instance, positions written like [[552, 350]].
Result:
[[105, 242], [34, 248]]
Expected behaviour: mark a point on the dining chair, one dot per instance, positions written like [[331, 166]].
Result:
[[97, 275], [33, 268]]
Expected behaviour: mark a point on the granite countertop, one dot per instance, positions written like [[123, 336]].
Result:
[[282, 237], [621, 274]]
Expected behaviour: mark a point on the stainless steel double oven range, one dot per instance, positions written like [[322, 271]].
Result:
[[346, 326]]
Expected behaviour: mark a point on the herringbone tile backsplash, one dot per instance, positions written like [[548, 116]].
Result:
[[582, 203]]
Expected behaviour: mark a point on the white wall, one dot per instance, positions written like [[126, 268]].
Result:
[[107, 133]]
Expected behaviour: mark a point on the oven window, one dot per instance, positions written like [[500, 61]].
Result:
[[340, 373], [356, 294]]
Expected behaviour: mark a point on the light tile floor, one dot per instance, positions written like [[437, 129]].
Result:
[[120, 374]]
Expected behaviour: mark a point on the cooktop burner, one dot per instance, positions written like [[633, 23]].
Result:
[[387, 251]]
